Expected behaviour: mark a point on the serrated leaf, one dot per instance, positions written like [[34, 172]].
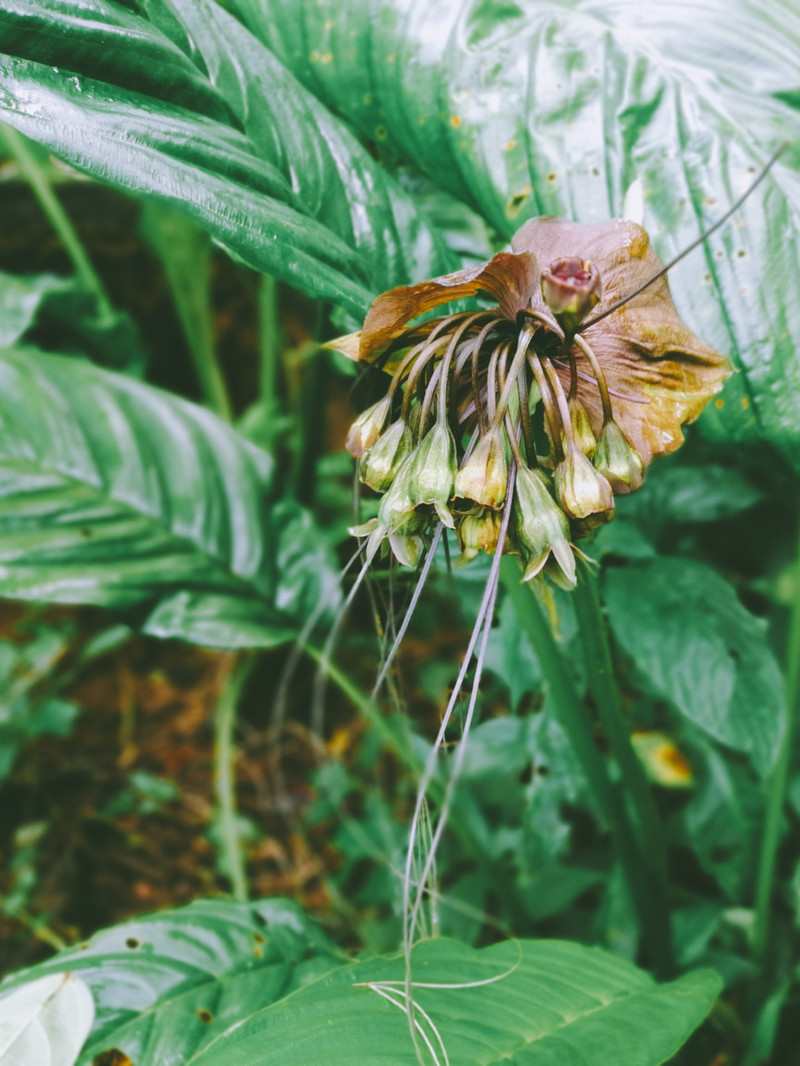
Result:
[[222, 131], [45, 1022], [524, 1002], [697, 646], [116, 493], [167, 984], [525, 109]]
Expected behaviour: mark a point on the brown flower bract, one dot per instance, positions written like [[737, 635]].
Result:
[[660, 375]]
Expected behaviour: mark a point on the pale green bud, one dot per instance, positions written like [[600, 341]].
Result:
[[397, 507], [541, 529], [478, 530], [581, 429], [433, 468], [379, 465], [484, 476], [407, 550], [368, 427], [618, 460], [582, 490]]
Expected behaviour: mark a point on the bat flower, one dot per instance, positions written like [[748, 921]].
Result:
[[567, 380]]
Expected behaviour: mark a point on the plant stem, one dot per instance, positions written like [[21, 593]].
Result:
[[605, 694], [269, 353], [43, 191], [225, 777], [578, 728], [777, 786], [185, 253]]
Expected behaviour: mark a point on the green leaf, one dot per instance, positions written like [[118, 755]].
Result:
[[20, 301], [45, 1021], [696, 645], [166, 985], [723, 821], [677, 492], [66, 317], [556, 109], [118, 494], [198, 113], [542, 1002]]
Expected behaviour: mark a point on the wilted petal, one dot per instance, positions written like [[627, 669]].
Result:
[[509, 278], [659, 373]]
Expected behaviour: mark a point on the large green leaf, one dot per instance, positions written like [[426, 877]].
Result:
[[118, 494], [526, 1002], [197, 112], [695, 644], [166, 985], [527, 108]]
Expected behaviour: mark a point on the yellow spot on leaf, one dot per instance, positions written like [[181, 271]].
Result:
[[720, 403], [455, 121], [664, 763]]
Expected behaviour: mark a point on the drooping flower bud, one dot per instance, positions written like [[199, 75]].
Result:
[[582, 490], [478, 530], [618, 460], [368, 427], [396, 506], [484, 476], [581, 430], [378, 466], [407, 550], [541, 528], [432, 470], [571, 288]]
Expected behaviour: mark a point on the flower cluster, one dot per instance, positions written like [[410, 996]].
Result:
[[515, 426]]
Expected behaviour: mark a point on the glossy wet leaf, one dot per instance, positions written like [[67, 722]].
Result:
[[555, 1003], [45, 1021], [191, 108], [695, 644], [542, 109], [167, 984], [118, 494]]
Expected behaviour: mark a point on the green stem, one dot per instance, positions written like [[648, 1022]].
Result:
[[185, 254], [777, 785], [605, 694], [269, 353], [578, 728], [225, 777], [43, 191]]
